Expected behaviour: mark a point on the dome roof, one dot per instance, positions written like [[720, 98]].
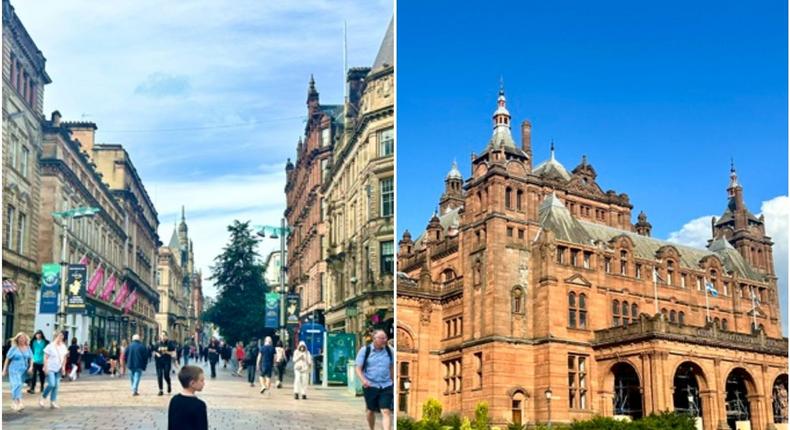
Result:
[[454, 173], [552, 168]]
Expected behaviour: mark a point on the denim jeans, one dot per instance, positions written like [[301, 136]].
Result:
[[53, 382], [135, 377]]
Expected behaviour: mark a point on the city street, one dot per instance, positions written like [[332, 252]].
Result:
[[102, 402]]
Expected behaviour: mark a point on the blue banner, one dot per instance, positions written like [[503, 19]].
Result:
[[50, 289], [272, 311]]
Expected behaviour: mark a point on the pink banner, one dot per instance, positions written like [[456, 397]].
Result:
[[121, 294], [130, 302], [108, 288], [98, 277], [85, 260]]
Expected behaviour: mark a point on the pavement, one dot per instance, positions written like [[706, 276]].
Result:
[[93, 402]]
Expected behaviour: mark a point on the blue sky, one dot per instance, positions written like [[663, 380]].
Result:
[[207, 96], [659, 96]]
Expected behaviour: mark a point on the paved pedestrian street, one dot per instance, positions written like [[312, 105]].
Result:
[[94, 402]]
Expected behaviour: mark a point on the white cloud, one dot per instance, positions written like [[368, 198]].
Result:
[[776, 211]]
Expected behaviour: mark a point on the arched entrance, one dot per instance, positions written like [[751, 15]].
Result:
[[9, 306], [738, 386], [627, 392], [686, 397], [779, 399]]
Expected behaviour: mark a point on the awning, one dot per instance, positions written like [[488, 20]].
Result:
[[9, 286]]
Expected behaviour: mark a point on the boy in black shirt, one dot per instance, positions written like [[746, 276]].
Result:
[[186, 411]]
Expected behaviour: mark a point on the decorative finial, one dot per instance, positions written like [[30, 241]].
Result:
[[552, 148], [183, 217], [584, 160], [501, 85], [732, 165]]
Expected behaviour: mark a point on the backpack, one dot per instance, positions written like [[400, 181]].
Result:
[[250, 354], [367, 353]]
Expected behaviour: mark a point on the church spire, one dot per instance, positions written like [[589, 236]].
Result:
[[501, 118]]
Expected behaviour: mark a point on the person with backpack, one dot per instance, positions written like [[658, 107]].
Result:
[[374, 366], [250, 356]]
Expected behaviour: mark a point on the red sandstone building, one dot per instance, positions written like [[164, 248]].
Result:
[[532, 290]]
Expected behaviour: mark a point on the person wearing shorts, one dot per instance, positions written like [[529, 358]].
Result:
[[374, 368]]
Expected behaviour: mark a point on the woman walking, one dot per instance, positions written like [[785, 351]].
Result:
[[73, 365], [37, 346], [122, 357], [239, 355], [55, 366], [303, 361], [19, 359], [280, 362], [213, 356], [113, 356]]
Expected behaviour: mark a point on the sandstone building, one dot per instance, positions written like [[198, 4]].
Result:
[[24, 77], [532, 280], [175, 270], [359, 205]]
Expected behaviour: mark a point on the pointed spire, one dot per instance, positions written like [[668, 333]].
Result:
[[501, 136], [584, 160], [501, 86], [552, 149], [733, 174]]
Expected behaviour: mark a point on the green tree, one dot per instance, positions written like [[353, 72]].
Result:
[[238, 277], [481, 421]]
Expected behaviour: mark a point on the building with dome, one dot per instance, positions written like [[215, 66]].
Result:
[[532, 290]]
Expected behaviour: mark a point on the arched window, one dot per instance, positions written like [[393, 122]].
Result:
[[582, 311], [670, 272], [625, 313], [518, 300], [572, 310], [508, 198], [517, 409], [665, 313], [673, 316], [717, 322], [724, 325], [681, 318], [623, 263], [634, 311], [616, 313], [448, 275]]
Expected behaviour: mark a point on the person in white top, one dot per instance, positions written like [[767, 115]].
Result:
[[54, 366], [303, 361]]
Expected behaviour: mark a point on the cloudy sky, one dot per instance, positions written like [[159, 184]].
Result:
[[207, 96]]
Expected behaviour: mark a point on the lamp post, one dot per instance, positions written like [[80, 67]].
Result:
[[548, 402], [65, 217], [281, 233]]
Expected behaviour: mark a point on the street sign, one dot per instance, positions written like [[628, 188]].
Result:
[[50, 288], [77, 276]]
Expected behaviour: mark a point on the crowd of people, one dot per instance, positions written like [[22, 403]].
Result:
[[27, 361]]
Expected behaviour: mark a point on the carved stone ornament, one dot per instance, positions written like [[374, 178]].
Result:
[[425, 312]]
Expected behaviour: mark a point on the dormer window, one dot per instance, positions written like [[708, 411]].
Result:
[[623, 263], [670, 272]]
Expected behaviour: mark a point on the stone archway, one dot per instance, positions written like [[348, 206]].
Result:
[[738, 387], [627, 399], [779, 399], [688, 382]]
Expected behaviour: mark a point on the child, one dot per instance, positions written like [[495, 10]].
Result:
[[186, 410]]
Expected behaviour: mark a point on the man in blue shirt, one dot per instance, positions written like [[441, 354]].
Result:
[[374, 368]]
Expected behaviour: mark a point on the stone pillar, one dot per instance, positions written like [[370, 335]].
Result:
[[721, 410], [710, 418], [606, 405], [756, 407], [647, 383]]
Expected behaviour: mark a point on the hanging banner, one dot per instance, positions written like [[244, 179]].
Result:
[[340, 347], [272, 311], [50, 288], [292, 310], [76, 277]]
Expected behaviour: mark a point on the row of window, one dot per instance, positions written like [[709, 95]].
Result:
[[453, 327], [452, 376], [577, 381], [15, 230], [623, 314], [22, 81], [577, 310], [19, 156]]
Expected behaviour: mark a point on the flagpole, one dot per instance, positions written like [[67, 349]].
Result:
[[707, 305]]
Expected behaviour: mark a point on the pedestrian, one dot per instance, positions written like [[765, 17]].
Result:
[[164, 354], [225, 354], [122, 357], [303, 361], [55, 367], [266, 364], [374, 368], [280, 362], [73, 365], [18, 361], [136, 359], [213, 356], [186, 411], [113, 354], [185, 353], [250, 355], [37, 346], [239, 355], [98, 365]]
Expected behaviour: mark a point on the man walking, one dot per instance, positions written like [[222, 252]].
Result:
[[265, 363], [374, 368], [136, 359], [164, 354]]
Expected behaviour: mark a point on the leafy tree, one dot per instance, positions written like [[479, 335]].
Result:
[[481, 421], [238, 276], [432, 411]]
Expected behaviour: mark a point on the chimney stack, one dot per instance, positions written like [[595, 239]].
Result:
[[56, 119], [526, 141]]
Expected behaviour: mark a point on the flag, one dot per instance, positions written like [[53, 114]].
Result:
[[96, 280], [108, 288], [121, 294], [755, 298], [711, 289], [132, 298], [84, 260]]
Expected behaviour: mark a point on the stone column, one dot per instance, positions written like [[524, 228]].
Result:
[[710, 418], [756, 408], [720, 395], [647, 383]]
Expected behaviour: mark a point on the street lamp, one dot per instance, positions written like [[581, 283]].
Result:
[[548, 394], [279, 233], [65, 216]]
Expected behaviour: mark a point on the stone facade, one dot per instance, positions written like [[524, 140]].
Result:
[[359, 203], [24, 78], [535, 280], [271, 271]]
